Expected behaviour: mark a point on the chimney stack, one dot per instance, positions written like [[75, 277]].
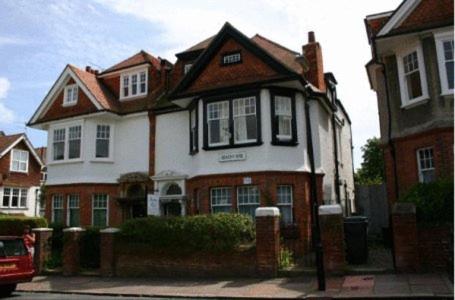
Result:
[[313, 54], [88, 69], [2, 133]]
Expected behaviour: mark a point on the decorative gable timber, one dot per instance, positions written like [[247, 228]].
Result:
[[197, 79], [97, 98]]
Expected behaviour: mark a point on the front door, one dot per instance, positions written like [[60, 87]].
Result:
[[172, 209]]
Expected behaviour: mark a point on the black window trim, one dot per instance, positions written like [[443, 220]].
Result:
[[230, 98], [286, 93], [223, 64], [194, 106]]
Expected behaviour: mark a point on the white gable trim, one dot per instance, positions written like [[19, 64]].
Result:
[[399, 16], [57, 87], [30, 148]]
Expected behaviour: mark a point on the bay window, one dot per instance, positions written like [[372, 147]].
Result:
[[19, 161], [14, 198], [248, 200], [444, 48], [133, 84], [221, 200], [232, 122], [284, 127], [58, 145], [74, 142], [67, 143]]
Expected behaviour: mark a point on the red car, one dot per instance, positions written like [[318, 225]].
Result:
[[16, 264]]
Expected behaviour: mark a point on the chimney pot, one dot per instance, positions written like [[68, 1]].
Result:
[[311, 37], [88, 69]]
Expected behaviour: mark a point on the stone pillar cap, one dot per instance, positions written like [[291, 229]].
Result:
[[403, 208], [110, 230], [73, 229], [38, 229], [267, 212], [333, 209]]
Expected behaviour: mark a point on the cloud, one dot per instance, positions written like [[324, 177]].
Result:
[[5, 41], [6, 115]]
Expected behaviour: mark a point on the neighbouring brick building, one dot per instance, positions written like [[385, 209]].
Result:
[[223, 129], [21, 175], [412, 74]]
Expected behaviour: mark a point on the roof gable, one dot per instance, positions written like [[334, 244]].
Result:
[[228, 37], [8, 142], [142, 57]]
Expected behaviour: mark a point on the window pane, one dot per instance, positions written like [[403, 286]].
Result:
[[245, 123], [74, 142], [23, 200], [248, 200], [449, 72], [220, 199], [218, 122], [59, 144], [143, 82], [102, 140], [6, 197], [125, 86], [413, 84], [15, 198], [99, 218], [134, 84]]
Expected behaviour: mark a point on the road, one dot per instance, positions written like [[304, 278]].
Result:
[[51, 296]]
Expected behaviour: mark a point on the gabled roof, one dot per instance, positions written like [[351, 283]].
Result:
[[8, 142], [276, 56], [142, 57]]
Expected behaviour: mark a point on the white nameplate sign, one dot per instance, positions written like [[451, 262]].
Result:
[[153, 205], [224, 157]]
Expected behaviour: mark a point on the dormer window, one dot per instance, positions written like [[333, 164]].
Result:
[[133, 84], [232, 58], [70, 95]]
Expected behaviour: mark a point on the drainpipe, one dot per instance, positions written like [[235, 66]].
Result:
[[315, 229], [335, 155]]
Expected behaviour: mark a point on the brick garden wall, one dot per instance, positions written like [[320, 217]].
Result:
[[435, 245]]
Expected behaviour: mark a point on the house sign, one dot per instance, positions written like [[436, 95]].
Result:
[[225, 157], [153, 205]]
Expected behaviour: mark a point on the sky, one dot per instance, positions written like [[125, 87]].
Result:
[[38, 38]]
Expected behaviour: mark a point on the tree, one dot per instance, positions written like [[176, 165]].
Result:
[[371, 170]]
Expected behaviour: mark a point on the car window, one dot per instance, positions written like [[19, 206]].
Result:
[[12, 248]]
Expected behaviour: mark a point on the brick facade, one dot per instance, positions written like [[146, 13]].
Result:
[[406, 159], [198, 191]]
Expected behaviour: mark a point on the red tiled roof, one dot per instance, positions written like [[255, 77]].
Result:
[[201, 45], [137, 59], [8, 140], [98, 90]]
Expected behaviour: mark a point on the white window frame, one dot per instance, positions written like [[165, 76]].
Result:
[[69, 207], [405, 101], [281, 204], [276, 100], [107, 208], [244, 115], [419, 167], [220, 205], [66, 158], [19, 195], [232, 58], [111, 143], [258, 204], [440, 38], [211, 119], [74, 95], [19, 161], [130, 75], [54, 208]]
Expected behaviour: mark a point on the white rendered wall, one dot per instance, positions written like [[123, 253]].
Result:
[[130, 152]]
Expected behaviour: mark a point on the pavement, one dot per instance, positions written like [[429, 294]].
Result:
[[386, 286]]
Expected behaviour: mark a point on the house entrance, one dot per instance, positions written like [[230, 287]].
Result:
[[139, 205], [172, 209]]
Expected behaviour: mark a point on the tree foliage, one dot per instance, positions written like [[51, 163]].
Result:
[[371, 170]]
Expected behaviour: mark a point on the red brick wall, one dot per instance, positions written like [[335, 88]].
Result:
[[406, 158], [8, 178], [252, 69], [58, 111], [435, 247], [315, 73], [267, 183], [86, 192]]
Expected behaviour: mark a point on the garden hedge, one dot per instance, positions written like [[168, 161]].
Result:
[[216, 232], [14, 225]]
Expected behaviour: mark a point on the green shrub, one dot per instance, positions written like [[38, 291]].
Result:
[[433, 201], [14, 225], [217, 232], [286, 258], [90, 248]]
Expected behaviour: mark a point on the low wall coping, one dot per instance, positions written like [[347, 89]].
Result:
[[333, 209], [267, 212], [74, 229], [403, 208], [110, 230], [42, 229]]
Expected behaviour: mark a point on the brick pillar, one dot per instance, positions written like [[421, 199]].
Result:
[[267, 240], [332, 237], [404, 226], [107, 251], [42, 248], [71, 250]]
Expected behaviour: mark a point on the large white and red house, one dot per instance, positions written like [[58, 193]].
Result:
[[21, 175], [223, 129]]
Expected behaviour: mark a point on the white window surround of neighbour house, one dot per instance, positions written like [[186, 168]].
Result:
[[425, 164], [57, 209], [19, 161], [248, 199], [285, 203], [411, 71], [104, 143], [445, 49], [221, 199], [73, 211], [70, 95], [100, 210], [67, 143], [14, 198], [133, 84]]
